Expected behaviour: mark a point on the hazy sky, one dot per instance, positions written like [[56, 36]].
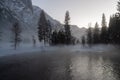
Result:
[[82, 12]]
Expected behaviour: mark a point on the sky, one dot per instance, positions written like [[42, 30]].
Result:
[[82, 12]]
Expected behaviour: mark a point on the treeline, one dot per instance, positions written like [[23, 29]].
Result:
[[106, 34], [97, 35], [45, 32], [114, 29], [54, 37]]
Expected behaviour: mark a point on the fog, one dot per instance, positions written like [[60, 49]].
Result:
[[62, 63]]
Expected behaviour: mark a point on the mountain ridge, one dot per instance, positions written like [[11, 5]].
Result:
[[27, 15]]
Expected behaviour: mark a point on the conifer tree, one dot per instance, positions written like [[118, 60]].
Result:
[[67, 28], [110, 29], [43, 28], [118, 24], [114, 29], [104, 31], [89, 35], [96, 34], [118, 6], [49, 32], [61, 37], [54, 38]]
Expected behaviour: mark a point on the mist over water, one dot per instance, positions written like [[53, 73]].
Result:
[[36, 46], [62, 63]]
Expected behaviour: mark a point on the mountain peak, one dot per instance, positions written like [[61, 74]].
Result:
[[27, 16]]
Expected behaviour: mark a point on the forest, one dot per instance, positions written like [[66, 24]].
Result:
[[106, 33]]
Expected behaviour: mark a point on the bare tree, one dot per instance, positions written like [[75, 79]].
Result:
[[16, 35], [34, 41], [0, 36], [83, 40]]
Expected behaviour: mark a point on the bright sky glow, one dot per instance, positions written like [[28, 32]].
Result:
[[82, 12]]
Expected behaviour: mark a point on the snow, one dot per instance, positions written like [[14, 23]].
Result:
[[28, 16]]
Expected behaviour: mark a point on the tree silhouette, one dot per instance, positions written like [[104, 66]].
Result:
[[89, 35], [54, 38], [34, 41], [0, 36], [16, 35], [114, 29], [104, 32], [83, 40], [67, 28], [96, 34], [118, 6], [44, 28]]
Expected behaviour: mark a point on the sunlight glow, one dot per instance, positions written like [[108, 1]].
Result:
[[82, 12]]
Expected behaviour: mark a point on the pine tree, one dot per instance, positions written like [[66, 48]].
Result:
[[54, 38], [114, 29], [96, 35], [118, 5], [43, 28], [49, 31], [89, 35], [110, 29], [118, 24], [67, 28], [16, 35], [61, 37], [104, 31]]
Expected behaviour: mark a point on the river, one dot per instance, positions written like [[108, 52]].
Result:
[[61, 64]]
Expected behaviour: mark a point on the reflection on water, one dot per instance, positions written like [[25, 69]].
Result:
[[61, 67], [87, 67]]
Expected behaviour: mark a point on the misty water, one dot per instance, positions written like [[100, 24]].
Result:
[[61, 64]]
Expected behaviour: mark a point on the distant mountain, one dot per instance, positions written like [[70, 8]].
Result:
[[78, 32], [27, 15]]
